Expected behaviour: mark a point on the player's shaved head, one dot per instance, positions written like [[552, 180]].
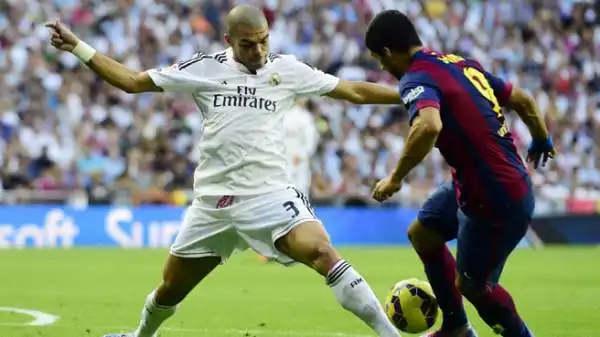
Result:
[[248, 36], [245, 16]]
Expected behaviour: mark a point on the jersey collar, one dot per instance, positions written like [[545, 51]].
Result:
[[422, 52], [236, 65]]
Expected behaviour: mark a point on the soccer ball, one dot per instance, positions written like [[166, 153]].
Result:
[[411, 306]]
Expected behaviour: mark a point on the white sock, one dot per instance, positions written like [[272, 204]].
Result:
[[153, 316], [355, 295]]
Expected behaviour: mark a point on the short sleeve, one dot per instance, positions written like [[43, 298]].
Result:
[[502, 89], [185, 76], [419, 95], [311, 81]]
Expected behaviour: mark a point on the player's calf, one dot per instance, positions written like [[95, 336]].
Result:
[[495, 306], [309, 243], [482, 253], [440, 268], [180, 276]]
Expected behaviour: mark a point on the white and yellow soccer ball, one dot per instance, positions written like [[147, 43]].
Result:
[[412, 306]]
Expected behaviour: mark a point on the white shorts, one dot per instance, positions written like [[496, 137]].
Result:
[[218, 226]]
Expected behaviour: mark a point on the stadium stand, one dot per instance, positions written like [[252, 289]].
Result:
[[66, 136]]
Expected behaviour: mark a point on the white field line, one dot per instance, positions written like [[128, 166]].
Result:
[[239, 332], [39, 318]]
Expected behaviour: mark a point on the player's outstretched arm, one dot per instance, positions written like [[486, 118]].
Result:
[[359, 92], [110, 70], [527, 109], [311, 82]]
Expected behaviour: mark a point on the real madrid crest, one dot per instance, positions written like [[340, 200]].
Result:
[[275, 80]]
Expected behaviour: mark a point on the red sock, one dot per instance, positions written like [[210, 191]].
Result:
[[440, 268], [497, 308]]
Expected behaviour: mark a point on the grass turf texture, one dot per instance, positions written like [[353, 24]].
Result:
[[97, 291]]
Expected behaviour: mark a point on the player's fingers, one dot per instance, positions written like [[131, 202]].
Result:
[[535, 159], [54, 24], [549, 155], [545, 158], [379, 196], [375, 195]]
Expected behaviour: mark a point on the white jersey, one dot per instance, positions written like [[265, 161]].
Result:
[[242, 149]]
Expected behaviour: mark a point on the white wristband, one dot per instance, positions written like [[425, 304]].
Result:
[[84, 52]]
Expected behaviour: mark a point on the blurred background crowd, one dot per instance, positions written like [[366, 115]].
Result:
[[66, 136]]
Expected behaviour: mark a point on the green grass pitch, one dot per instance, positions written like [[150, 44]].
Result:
[[97, 291]]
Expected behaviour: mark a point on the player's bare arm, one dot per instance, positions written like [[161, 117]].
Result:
[[108, 69], [423, 134], [526, 107], [358, 92], [541, 149]]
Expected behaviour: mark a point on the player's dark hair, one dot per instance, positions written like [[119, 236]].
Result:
[[391, 29]]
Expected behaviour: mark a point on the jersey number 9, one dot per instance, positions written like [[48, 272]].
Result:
[[477, 78]]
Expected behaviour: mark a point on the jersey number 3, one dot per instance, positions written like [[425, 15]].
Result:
[[477, 78]]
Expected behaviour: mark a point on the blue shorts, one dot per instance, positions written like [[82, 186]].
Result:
[[482, 246]]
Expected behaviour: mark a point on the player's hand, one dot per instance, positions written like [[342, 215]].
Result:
[[62, 37], [385, 188], [541, 150]]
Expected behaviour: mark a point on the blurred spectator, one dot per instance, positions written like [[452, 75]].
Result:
[[63, 132], [301, 139]]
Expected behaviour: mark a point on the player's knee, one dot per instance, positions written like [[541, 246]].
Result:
[[469, 288], [322, 255], [309, 243], [424, 239]]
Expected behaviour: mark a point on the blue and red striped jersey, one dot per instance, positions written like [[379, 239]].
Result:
[[488, 173]]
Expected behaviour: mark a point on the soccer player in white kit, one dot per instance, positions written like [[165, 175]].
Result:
[[243, 196]]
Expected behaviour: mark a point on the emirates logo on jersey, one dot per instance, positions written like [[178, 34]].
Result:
[[246, 98]]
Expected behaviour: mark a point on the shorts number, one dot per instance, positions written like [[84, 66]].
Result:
[[483, 86], [291, 206]]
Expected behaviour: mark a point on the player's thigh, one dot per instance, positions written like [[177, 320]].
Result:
[[482, 250], [438, 215], [204, 232], [282, 225]]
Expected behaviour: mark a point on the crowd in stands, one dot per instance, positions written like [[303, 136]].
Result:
[[66, 135]]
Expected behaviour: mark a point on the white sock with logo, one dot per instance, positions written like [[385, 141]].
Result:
[[153, 316], [355, 295]]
